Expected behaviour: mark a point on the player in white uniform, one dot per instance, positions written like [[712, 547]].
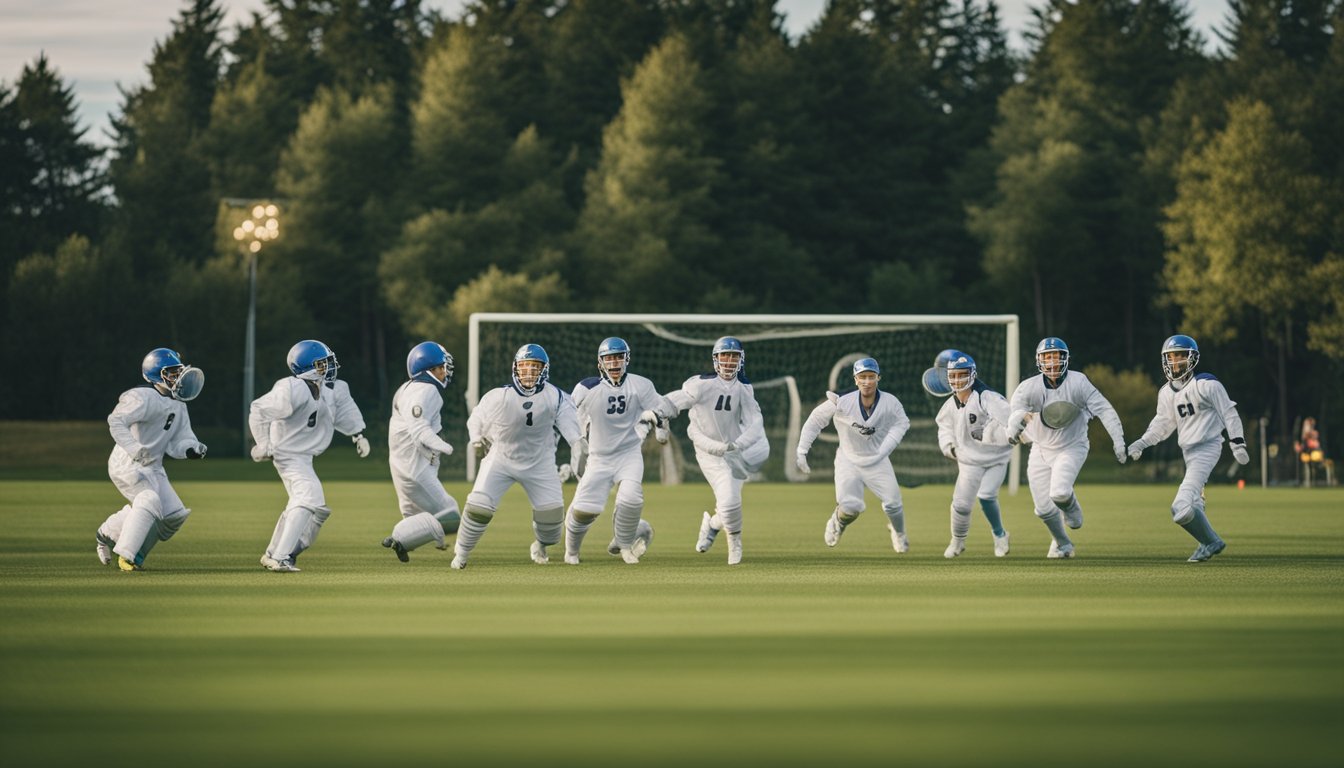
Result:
[[293, 423], [1198, 409], [729, 437], [517, 424], [1058, 452], [413, 451], [870, 424], [610, 407], [149, 422], [972, 432]]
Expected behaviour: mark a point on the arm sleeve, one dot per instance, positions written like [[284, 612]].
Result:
[[705, 443], [272, 406], [567, 418], [186, 438], [349, 421], [1160, 428], [816, 421], [422, 432], [1102, 409], [996, 431], [1019, 407], [1226, 409], [753, 423], [476, 421], [893, 438], [946, 421], [130, 409], [682, 399], [661, 406]]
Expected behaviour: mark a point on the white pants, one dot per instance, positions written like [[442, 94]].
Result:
[[1051, 472], [420, 491], [497, 475], [132, 479], [602, 472], [1199, 462], [301, 483], [850, 481], [976, 482], [727, 489]]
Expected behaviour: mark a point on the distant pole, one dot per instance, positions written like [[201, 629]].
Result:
[[262, 226], [1264, 457]]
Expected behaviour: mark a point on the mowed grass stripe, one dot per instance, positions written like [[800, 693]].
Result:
[[804, 655]]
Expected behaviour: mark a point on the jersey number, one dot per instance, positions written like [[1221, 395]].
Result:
[[169, 423], [1185, 410], [616, 404], [725, 403], [529, 418], [312, 419]]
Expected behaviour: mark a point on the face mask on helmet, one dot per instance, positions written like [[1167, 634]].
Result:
[[729, 357], [961, 374], [531, 366], [1052, 357], [613, 358]]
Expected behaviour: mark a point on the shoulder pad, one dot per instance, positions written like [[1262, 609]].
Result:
[[591, 382], [847, 391], [979, 386], [1205, 377], [744, 379], [704, 376]]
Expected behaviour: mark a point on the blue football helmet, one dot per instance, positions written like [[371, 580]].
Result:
[[426, 355], [866, 364], [538, 380], [313, 361], [1182, 350], [613, 370], [961, 372], [945, 357], [728, 370], [164, 367], [1052, 344]]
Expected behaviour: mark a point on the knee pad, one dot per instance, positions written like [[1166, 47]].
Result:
[[418, 530], [583, 518], [149, 502], [547, 523], [630, 495], [847, 516], [1061, 500], [1182, 511], [962, 511], [479, 515], [320, 515], [449, 520]]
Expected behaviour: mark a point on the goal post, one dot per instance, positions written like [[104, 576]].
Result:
[[791, 360]]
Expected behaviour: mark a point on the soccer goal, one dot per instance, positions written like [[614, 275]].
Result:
[[791, 360]]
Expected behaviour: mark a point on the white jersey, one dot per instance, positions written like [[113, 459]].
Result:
[[291, 420], [147, 418], [975, 428], [417, 419], [866, 437], [607, 412], [1197, 412], [721, 412], [1035, 393], [522, 428]]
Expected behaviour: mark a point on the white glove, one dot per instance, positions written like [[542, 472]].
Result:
[[143, 457], [661, 433], [481, 447], [950, 451], [1240, 453], [565, 472], [261, 453], [730, 447], [1120, 452], [1015, 430], [361, 445], [196, 451], [1136, 450], [801, 461]]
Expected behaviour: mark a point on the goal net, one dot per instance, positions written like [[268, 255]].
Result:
[[791, 360]]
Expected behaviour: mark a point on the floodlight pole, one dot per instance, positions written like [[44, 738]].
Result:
[[249, 348]]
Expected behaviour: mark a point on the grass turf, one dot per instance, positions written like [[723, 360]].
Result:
[[803, 655]]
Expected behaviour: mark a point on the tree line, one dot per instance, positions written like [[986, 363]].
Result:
[[1114, 183]]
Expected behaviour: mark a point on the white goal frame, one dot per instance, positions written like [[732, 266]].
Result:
[[1011, 323]]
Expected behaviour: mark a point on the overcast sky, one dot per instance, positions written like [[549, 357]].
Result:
[[97, 44]]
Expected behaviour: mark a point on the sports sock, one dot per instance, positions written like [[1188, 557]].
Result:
[[897, 517], [992, 514], [1055, 522], [1200, 528]]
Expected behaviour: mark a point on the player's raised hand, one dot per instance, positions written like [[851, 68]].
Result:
[[361, 445], [196, 451], [801, 461]]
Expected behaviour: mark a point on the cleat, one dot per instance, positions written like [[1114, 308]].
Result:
[[103, 549], [459, 562], [127, 565], [283, 566], [613, 548], [1073, 517], [957, 546], [899, 542], [629, 556], [833, 530], [1001, 545], [539, 555], [734, 548], [643, 538], [707, 535], [396, 547], [1207, 551], [571, 559], [269, 562], [1059, 553]]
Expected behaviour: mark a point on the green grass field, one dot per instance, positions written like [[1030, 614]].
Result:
[[803, 655]]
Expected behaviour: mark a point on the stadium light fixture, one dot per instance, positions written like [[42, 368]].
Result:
[[251, 234]]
